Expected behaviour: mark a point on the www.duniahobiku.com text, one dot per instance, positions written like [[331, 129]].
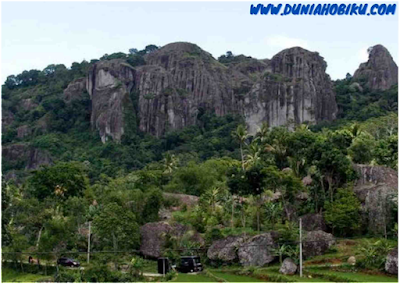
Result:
[[324, 9]]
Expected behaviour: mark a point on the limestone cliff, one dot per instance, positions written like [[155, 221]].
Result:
[[180, 80], [380, 72]]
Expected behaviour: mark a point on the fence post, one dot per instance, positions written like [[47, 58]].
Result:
[[88, 251]]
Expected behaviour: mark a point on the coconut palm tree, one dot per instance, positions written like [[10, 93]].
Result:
[[240, 134]]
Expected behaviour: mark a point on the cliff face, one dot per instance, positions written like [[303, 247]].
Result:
[[294, 89], [380, 72], [180, 80]]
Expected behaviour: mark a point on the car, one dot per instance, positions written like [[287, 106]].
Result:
[[190, 264], [65, 261]]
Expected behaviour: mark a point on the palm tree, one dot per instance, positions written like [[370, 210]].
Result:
[[263, 132], [278, 149], [170, 163], [240, 134], [253, 157]]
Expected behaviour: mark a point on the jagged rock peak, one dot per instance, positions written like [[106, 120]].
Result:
[[380, 72]]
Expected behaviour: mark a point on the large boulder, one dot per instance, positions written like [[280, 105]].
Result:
[[288, 267], [313, 222], [30, 157], [258, 250], [376, 188], [391, 262], [380, 72], [184, 199], [225, 250], [153, 237], [317, 243], [75, 90]]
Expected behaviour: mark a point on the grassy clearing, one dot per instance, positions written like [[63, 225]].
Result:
[[355, 276], [273, 273], [183, 277], [149, 266], [10, 275], [234, 278]]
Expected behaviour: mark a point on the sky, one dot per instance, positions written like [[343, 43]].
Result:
[[37, 34]]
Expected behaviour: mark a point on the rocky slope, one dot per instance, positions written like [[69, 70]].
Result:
[[380, 72], [180, 81]]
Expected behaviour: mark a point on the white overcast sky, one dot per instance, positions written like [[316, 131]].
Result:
[[36, 34]]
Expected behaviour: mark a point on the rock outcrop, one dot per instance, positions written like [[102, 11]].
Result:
[[288, 267], [317, 243], [153, 237], [296, 89], [380, 72], [258, 250], [25, 155], [225, 250], [312, 222], [391, 264], [180, 82], [183, 199], [376, 188], [75, 89]]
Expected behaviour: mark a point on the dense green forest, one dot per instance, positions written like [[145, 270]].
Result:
[[119, 186]]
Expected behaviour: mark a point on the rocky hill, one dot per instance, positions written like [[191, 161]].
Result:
[[180, 80], [380, 72]]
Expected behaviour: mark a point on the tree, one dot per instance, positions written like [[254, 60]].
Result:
[[343, 214], [61, 181], [117, 228], [240, 134], [153, 203]]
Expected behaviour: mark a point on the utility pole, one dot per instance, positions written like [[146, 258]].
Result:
[[301, 253], [88, 250]]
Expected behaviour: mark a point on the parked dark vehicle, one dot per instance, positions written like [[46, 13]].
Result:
[[190, 264], [64, 261]]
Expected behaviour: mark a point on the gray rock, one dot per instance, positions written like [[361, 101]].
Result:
[[258, 251], [376, 188], [391, 265], [31, 157], [75, 90], [181, 81], [351, 260], [23, 131], [380, 72], [153, 237], [184, 199], [288, 267], [317, 243], [225, 250], [313, 222]]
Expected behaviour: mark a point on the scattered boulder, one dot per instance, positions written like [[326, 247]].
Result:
[[313, 222], [317, 243], [258, 250], [188, 200], [307, 180], [225, 250], [288, 267], [368, 174], [351, 260], [153, 237], [391, 265], [28, 104]]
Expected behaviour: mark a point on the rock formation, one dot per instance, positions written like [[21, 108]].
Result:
[[32, 157], [313, 221], [391, 265], [379, 72], [153, 237], [225, 250], [376, 188], [258, 251], [180, 81], [317, 243], [288, 267]]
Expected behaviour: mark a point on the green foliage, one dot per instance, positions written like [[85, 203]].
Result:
[[343, 214], [62, 180], [373, 254], [117, 227]]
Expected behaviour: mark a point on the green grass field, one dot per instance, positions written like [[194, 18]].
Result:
[[354, 276], [10, 275], [183, 277]]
